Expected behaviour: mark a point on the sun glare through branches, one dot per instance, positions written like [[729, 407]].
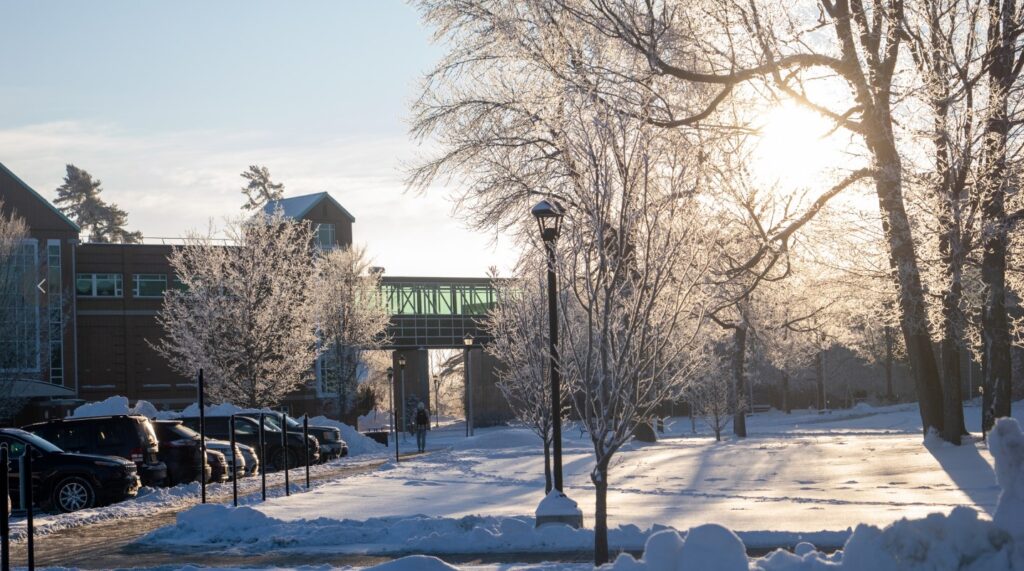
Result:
[[796, 148]]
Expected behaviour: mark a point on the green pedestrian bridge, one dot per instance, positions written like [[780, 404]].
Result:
[[437, 313]]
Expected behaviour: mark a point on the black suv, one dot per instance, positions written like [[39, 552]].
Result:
[[247, 432], [130, 437], [69, 482], [179, 449], [331, 445]]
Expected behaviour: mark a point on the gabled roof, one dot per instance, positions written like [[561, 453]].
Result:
[[299, 206], [32, 191]]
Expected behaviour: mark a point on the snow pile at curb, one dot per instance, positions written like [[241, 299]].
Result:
[[374, 420], [245, 528], [959, 541], [248, 529], [115, 405], [357, 442]]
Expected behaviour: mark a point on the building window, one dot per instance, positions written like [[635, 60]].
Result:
[[55, 301], [19, 310], [325, 236], [99, 285], [149, 285]]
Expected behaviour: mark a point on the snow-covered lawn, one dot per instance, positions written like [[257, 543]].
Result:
[[795, 476], [806, 475]]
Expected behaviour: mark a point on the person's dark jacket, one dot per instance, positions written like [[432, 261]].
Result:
[[422, 419]]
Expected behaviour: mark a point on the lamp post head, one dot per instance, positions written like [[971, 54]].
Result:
[[467, 340], [549, 219], [401, 361], [391, 371]]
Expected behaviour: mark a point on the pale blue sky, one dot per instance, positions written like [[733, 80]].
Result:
[[166, 102]]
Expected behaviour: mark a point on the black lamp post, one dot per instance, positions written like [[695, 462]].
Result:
[[556, 507], [437, 400], [394, 411], [467, 343], [549, 221], [401, 377]]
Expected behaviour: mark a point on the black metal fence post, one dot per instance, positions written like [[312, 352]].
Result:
[[263, 459], [5, 530], [29, 527], [234, 464], [284, 452], [305, 437], [202, 438]]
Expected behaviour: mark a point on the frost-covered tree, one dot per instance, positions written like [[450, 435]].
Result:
[[259, 189], [351, 318], [711, 397], [519, 325], [79, 199], [450, 389], [243, 313], [633, 256]]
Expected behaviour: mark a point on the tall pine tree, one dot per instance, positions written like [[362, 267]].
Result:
[[79, 199], [259, 189]]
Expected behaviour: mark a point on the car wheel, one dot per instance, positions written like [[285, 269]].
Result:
[[73, 494], [280, 457]]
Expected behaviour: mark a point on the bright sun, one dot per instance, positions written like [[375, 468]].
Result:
[[795, 150]]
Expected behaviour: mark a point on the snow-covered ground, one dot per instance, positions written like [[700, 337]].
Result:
[[151, 500], [800, 477]]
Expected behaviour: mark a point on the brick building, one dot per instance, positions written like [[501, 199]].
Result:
[[86, 331]]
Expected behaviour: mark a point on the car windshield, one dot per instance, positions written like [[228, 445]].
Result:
[[40, 443], [275, 420], [182, 431], [270, 423]]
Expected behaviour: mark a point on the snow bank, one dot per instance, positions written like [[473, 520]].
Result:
[[374, 420], [959, 541], [115, 405], [253, 531], [224, 409], [357, 443], [1006, 443]]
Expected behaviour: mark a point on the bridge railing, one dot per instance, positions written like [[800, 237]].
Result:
[[463, 298]]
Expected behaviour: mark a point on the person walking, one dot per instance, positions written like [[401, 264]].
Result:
[[422, 422]]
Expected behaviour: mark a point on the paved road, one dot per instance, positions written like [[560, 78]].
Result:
[[107, 545]]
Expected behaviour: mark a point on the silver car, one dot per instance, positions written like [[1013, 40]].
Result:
[[224, 447]]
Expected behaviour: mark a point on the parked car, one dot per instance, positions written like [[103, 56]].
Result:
[[218, 466], [252, 461], [235, 458], [128, 436], [247, 432], [180, 450], [69, 482], [331, 444]]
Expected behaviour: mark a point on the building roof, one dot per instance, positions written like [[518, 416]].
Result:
[[299, 206], [32, 191]]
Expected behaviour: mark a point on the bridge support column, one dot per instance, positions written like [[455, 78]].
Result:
[[416, 387], [489, 405]]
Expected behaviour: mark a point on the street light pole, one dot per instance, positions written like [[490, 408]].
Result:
[[559, 508], [394, 411], [467, 343], [401, 374], [436, 403]]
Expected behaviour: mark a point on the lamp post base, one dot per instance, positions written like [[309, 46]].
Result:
[[556, 507]]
